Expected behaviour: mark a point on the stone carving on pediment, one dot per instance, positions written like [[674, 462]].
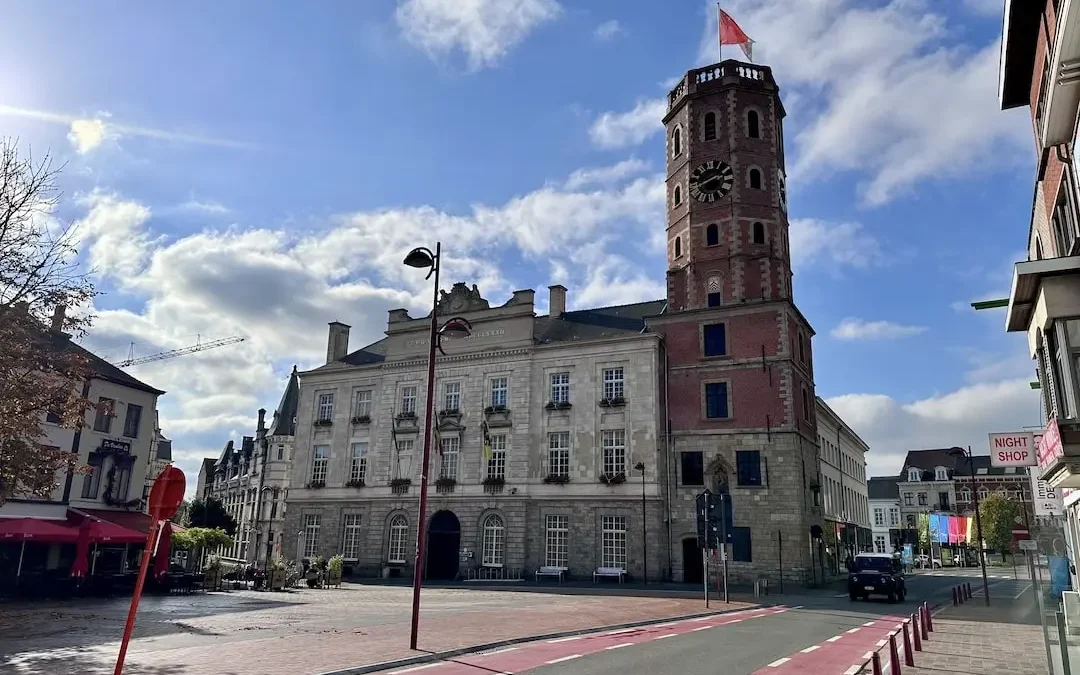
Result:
[[461, 299]]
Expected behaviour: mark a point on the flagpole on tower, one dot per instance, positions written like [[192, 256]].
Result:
[[719, 33]]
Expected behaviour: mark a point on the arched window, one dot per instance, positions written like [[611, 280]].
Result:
[[941, 473], [1038, 249], [983, 493], [494, 545], [753, 124], [398, 540], [755, 179], [965, 495], [759, 233], [913, 475], [709, 126], [676, 196], [715, 291], [676, 142], [712, 235], [678, 246]]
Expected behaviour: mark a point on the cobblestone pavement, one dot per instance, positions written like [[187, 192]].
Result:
[[301, 632]]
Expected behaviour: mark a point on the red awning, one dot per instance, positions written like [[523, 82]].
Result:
[[114, 527], [37, 529]]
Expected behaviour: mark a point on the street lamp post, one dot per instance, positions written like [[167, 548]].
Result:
[[423, 258], [640, 466], [978, 522]]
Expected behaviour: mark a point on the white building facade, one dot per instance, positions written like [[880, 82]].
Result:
[[884, 498], [842, 469], [546, 452]]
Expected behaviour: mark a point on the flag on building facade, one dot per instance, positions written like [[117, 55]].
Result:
[[487, 440], [732, 34]]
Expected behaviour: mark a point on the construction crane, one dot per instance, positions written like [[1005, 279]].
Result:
[[199, 346]]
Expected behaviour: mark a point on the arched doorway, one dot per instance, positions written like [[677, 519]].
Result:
[[691, 557], [444, 542]]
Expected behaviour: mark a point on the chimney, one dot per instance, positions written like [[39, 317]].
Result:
[[58, 318], [337, 346], [262, 419], [557, 301]]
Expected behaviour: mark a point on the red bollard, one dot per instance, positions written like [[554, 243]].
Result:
[[922, 623], [909, 657], [894, 656], [915, 631], [875, 662], [929, 617], [955, 601]]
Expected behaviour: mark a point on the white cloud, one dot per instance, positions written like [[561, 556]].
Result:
[[839, 244], [958, 418], [858, 329], [606, 175], [208, 207], [114, 227], [485, 30], [617, 130], [608, 30], [87, 134]]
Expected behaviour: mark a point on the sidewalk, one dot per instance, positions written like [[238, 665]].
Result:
[[1005, 638]]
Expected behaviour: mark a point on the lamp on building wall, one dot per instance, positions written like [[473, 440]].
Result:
[[959, 452], [456, 327]]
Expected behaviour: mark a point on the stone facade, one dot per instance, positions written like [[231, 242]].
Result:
[[504, 383]]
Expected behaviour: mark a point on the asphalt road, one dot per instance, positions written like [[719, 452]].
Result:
[[821, 632]]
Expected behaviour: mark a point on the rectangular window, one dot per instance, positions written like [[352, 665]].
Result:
[[452, 396], [716, 401], [613, 383], [499, 387], [805, 406], [879, 543], [909, 499], [613, 542], [559, 453], [350, 537], [693, 468], [399, 534], [451, 451], [560, 388], [911, 520], [716, 299], [363, 403], [408, 400], [104, 417], [280, 452], [943, 500], [496, 464], [319, 463], [132, 420], [879, 518], [403, 459], [715, 339], [613, 443], [326, 407], [557, 542], [92, 478], [358, 466], [922, 499], [312, 522], [748, 466], [741, 549], [894, 517], [122, 479]]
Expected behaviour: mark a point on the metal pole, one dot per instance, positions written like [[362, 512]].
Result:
[[705, 574], [780, 543], [644, 536], [1063, 642], [421, 519], [979, 532]]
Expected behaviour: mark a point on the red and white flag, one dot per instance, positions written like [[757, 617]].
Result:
[[731, 34]]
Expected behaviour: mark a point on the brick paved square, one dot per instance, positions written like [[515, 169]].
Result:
[[303, 632]]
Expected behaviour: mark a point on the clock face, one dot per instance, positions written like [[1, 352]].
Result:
[[711, 181]]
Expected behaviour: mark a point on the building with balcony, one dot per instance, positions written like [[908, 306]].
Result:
[[844, 494], [1040, 68]]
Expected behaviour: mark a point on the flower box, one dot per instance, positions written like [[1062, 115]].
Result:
[[358, 483], [317, 484], [322, 423], [560, 405], [613, 479], [556, 479], [615, 402], [362, 419]]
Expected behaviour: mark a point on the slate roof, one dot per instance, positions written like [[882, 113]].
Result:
[[102, 369], [928, 460], [882, 487], [583, 324], [284, 421]]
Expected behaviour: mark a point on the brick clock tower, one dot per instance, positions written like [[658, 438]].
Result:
[[740, 385]]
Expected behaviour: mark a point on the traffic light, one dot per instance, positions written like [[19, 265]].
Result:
[[713, 519]]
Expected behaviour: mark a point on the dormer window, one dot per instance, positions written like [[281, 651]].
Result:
[[941, 473], [913, 475]]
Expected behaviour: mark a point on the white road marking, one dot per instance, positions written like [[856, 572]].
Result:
[[498, 651], [852, 670], [621, 630], [779, 662], [703, 618], [694, 630], [780, 611], [625, 644], [565, 639], [664, 637], [797, 607], [415, 668], [667, 625], [870, 623], [854, 630], [732, 621], [809, 649], [881, 643], [565, 658], [834, 638]]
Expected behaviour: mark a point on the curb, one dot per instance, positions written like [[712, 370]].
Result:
[[451, 653]]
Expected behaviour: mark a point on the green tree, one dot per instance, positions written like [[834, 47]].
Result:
[[998, 517], [210, 513], [181, 515]]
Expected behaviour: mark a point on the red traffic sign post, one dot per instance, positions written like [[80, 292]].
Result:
[[165, 499]]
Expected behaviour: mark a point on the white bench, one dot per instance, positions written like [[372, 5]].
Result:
[[546, 571], [616, 572]]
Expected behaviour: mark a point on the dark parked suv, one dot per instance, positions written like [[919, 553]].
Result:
[[878, 574]]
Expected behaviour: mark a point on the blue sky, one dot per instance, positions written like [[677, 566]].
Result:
[[258, 169]]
